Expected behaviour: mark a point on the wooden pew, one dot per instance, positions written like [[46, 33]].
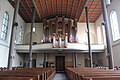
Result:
[[17, 78], [91, 74], [37, 73], [102, 78]]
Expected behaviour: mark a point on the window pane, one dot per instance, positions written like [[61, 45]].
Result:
[[99, 35], [104, 36], [7, 17], [5, 26], [4, 21], [4, 14], [114, 26]]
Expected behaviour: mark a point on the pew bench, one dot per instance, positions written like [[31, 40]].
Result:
[[102, 78], [37, 73], [91, 74], [17, 78]]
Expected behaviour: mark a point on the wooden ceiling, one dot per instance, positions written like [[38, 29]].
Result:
[[47, 9]]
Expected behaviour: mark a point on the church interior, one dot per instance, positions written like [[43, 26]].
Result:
[[59, 40]]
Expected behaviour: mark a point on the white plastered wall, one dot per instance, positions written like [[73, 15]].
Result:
[[82, 34], [4, 45], [115, 44], [80, 60], [37, 35], [101, 56]]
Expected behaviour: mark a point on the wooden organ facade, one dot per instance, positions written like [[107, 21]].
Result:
[[59, 31]]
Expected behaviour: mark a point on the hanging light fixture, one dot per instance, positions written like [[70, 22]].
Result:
[[108, 2], [34, 29]]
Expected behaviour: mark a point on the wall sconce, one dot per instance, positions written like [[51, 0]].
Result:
[[108, 2], [34, 29]]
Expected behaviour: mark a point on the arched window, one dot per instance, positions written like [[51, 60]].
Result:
[[99, 35], [21, 35], [5, 26], [104, 36], [114, 26]]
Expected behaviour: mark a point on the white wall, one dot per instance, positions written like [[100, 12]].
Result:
[[21, 23], [37, 35], [82, 35], [17, 59], [80, 60], [3, 56], [114, 6], [4, 45], [115, 44], [40, 60], [98, 23]]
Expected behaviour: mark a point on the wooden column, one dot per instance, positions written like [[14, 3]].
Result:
[[51, 30], [54, 40], [106, 23], [89, 44], [60, 41], [74, 60], [56, 24], [75, 25], [63, 25], [66, 40], [12, 39], [70, 26], [31, 33]]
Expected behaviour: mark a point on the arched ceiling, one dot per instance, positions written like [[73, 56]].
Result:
[[47, 9], [52, 8]]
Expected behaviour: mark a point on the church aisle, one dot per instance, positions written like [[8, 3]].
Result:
[[60, 76]]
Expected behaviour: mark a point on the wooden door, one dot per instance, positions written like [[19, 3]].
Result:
[[34, 63], [60, 63], [86, 63]]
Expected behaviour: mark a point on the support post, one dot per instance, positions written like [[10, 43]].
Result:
[[66, 40], [12, 39], [106, 24], [30, 46], [74, 59], [45, 56], [60, 41], [89, 44]]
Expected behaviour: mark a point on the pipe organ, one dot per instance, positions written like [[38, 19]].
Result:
[[59, 31]]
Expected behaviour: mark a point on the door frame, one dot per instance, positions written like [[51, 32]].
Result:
[[63, 63]]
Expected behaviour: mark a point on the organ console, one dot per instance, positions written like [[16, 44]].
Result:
[[59, 31]]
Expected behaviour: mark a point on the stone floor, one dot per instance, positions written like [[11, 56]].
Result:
[[60, 76]]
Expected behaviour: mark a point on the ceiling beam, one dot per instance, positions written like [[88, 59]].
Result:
[[36, 9], [25, 9], [46, 9], [86, 1], [71, 8], [77, 8], [25, 18], [28, 6], [66, 8]]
